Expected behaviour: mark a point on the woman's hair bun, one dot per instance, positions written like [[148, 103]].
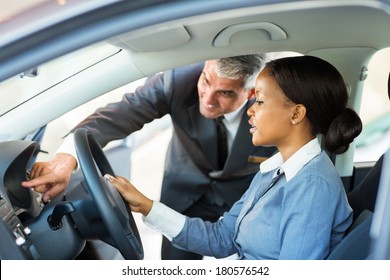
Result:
[[342, 131]]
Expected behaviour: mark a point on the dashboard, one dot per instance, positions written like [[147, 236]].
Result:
[[58, 230], [31, 229], [16, 203]]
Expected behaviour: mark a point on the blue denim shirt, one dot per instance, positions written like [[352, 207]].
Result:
[[303, 218], [304, 215]]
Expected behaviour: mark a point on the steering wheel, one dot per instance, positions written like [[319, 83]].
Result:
[[115, 213]]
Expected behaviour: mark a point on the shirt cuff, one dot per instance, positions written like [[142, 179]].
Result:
[[68, 147], [165, 220]]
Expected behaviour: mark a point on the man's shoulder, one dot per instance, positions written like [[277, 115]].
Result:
[[184, 78]]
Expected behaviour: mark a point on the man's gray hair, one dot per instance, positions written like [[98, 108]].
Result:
[[246, 67]]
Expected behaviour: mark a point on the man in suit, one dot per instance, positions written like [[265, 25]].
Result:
[[196, 181]]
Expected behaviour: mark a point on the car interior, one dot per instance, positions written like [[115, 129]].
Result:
[[125, 44]]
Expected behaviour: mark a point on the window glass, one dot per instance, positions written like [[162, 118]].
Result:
[[375, 110]]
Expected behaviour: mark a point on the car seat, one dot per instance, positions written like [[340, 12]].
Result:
[[364, 195], [356, 243]]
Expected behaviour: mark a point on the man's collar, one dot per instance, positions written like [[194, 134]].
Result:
[[233, 116]]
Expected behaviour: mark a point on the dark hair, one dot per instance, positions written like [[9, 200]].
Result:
[[246, 67], [319, 86]]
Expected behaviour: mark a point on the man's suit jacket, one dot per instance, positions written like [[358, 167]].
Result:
[[191, 161]]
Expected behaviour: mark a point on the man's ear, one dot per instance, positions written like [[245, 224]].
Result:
[[251, 94], [298, 113]]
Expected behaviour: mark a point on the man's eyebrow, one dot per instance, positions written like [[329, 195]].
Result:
[[230, 91]]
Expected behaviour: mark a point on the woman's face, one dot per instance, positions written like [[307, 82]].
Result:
[[270, 115]]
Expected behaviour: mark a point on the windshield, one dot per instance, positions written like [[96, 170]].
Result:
[[18, 89], [9, 9]]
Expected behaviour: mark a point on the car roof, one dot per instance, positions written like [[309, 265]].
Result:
[[228, 27]]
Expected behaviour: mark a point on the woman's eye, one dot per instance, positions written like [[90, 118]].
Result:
[[259, 102]]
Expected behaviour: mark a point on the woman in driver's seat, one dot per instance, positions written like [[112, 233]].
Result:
[[296, 207]]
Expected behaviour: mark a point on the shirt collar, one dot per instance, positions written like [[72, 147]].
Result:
[[233, 116], [292, 166]]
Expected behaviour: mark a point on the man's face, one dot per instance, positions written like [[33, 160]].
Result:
[[218, 96]]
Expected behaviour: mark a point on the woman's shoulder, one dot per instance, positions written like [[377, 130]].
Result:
[[321, 171]]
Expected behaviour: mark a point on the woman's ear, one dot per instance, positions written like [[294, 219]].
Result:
[[298, 114]]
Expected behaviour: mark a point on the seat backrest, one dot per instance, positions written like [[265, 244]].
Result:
[[364, 195], [356, 244]]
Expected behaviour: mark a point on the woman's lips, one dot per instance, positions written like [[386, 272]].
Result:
[[253, 129]]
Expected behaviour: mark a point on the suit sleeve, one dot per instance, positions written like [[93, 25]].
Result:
[[118, 120]]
